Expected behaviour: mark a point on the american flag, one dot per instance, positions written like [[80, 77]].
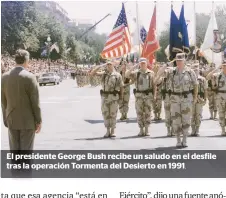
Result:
[[118, 43]]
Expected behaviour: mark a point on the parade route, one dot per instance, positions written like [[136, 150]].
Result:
[[72, 120]]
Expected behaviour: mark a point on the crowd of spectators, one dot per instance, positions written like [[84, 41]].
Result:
[[36, 66]]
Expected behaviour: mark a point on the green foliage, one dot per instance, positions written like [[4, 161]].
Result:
[[24, 23]]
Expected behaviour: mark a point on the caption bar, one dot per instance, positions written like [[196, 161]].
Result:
[[116, 164]]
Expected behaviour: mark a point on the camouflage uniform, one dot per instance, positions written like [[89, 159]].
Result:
[[181, 85], [157, 104], [212, 99], [144, 81], [220, 86], [124, 103], [166, 98], [198, 106], [109, 102]]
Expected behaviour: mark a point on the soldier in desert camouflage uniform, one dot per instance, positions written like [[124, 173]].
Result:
[[144, 92], [182, 82], [201, 101], [212, 96], [166, 98], [157, 102], [124, 103], [111, 93], [219, 81]]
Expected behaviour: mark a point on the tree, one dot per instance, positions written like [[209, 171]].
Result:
[[17, 26]]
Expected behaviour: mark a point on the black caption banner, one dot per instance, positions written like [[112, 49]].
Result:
[[114, 164]]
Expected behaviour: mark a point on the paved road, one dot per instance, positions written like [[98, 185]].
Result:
[[72, 120]]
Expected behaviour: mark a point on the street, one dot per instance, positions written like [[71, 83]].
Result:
[[72, 120]]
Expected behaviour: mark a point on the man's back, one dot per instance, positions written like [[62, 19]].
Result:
[[20, 99]]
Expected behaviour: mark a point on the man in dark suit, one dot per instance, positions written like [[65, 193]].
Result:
[[20, 104]]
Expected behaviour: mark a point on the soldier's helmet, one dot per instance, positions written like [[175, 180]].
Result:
[[180, 57]]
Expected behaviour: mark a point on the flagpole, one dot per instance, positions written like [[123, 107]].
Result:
[[195, 30], [212, 27], [156, 30], [138, 27]]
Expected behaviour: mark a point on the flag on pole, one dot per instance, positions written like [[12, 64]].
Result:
[[212, 39], [138, 36], [176, 38], [54, 46], [118, 43], [211, 45], [184, 32], [151, 43]]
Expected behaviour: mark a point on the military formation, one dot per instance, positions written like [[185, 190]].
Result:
[[182, 91]]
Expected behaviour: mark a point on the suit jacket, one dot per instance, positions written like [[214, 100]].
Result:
[[20, 99]]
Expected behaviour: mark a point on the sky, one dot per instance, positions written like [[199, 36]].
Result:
[[95, 10]]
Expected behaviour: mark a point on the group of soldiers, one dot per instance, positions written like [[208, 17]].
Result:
[[184, 89], [83, 78]]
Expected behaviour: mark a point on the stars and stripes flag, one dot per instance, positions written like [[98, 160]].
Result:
[[118, 43]]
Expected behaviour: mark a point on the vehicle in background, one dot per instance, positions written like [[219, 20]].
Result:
[[49, 78]]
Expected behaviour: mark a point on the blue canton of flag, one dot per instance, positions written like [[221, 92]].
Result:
[[143, 34], [122, 18]]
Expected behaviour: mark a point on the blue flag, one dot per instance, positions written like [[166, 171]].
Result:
[[184, 31], [176, 38]]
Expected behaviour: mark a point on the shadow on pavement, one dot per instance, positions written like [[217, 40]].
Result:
[[94, 121], [162, 137], [167, 148], [208, 119], [215, 136], [132, 137], [163, 148], [95, 138], [131, 120], [157, 121]]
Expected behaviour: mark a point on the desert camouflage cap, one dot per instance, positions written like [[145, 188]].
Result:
[[109, 62], [180, 56], [142, 60]]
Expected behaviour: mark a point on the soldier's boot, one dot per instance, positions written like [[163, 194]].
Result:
[[122, 116], [112, 134], [108, 133], [215, 115], [179, 144], [223, 133], [146, 131], [211, 115], [197, 130], [159, 116], [156, 117], [172, 132], [184, 141], [125, 116], [169, 134], [193, 130], [141, 132]]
